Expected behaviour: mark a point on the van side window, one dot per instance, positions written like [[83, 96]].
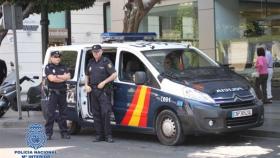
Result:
[[129, 64], [69, 59]]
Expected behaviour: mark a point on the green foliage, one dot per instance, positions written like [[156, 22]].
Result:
[[54, 5]]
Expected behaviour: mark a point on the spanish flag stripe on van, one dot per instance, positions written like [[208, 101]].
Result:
[[137, 114], [134, 121], [132, 106], [144, 114]]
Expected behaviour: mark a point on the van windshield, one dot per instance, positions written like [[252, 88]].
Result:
[[178, 61]]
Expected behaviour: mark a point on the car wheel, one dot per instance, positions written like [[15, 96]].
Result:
[[73, 127], [168, 128]]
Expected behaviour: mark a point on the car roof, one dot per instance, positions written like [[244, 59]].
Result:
[[138, 45]]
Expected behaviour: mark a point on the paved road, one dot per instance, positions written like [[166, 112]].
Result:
[[131, 145]]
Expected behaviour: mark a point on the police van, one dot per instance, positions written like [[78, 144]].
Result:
[[164, 88]]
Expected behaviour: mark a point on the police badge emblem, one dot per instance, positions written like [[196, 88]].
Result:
[[110, 66], [35, 136]]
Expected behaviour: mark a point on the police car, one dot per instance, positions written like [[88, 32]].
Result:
[[168, 89]]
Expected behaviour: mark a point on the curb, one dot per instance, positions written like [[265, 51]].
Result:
[[19, 123]]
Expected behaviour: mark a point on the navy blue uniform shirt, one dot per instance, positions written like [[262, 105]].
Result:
[[52, 69], [99, 71]]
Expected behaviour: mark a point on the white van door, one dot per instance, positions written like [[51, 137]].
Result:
[[83, 106]]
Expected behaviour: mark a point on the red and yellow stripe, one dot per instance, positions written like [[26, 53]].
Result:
[[137, 113]]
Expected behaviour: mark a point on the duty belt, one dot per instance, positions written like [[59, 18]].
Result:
[[93, 86]]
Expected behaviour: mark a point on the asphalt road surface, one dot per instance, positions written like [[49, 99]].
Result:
[[133, 145]]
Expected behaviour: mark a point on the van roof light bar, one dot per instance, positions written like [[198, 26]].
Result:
[[117, 36]]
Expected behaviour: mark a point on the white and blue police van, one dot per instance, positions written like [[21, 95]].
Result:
[[168, 89]]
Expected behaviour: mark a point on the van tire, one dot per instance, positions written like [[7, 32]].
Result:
[[168, 128], [73, 127]]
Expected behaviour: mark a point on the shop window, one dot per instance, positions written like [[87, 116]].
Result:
[[177, 22]]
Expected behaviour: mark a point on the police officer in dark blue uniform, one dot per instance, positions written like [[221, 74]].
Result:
[[99, 75], [57, 75]]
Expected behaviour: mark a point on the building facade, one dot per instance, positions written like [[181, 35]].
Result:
[[228, 31]]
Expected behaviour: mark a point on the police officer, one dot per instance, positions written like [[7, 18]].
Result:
[[99, 73], [56, 74]]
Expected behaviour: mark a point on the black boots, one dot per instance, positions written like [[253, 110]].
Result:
[[108, 139], [49, 137], [65, 136], [98, 138]]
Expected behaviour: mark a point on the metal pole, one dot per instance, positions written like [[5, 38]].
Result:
[[44, 27], [16, 61]]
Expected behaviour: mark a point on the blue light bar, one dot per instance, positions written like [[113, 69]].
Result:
[[117, 36]]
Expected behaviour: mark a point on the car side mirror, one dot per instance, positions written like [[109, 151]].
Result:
[[140, 77]]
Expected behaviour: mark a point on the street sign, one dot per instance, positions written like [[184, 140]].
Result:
[[7, 17]]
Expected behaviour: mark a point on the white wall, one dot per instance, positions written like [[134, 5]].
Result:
[[87, 24], [29, 50]]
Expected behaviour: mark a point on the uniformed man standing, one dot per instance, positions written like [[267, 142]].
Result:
[[57, 75], [99, 74]]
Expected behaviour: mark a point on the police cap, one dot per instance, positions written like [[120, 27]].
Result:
[[96, 48], [55, 53]]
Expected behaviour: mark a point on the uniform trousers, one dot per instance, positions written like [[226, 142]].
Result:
[[102, 108], [57, 101]]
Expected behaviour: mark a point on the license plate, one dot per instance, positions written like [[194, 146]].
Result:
[[242, 113]]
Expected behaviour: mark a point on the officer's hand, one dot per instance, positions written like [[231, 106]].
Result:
[[101, 85], [87, 88], [67, 76]]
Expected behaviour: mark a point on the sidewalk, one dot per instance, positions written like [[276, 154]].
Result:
[[270, 128], [11, 119]]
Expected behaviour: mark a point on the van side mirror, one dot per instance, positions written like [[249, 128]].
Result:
[[140, 77]]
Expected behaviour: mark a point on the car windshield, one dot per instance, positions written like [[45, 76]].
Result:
[[178, 61]]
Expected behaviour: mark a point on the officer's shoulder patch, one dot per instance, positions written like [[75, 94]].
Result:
[[109, 65]]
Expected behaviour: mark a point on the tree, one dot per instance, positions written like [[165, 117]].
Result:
[[33, 6], [134, 12]]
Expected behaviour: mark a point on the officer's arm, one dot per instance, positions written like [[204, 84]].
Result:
[[111, 78], [87, 87], [54, 78], [64, 77], [86, 80]]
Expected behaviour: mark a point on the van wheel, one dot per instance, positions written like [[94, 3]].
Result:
[[73, 127], [168, 128]]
